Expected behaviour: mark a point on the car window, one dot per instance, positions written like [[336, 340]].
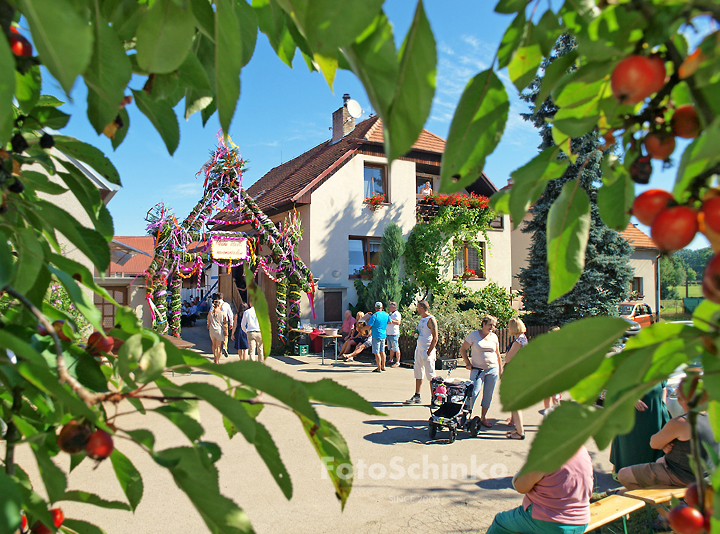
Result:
[[626, 309]]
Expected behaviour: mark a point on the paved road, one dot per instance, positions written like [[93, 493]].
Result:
[[404, 481]]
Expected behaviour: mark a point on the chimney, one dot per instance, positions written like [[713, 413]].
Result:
[[343, 122]]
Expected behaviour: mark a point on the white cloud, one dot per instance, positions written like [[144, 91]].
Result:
[[189, 189]]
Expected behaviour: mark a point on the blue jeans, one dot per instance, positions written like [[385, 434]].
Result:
[[378, 345], [521, 521], [485, 379]]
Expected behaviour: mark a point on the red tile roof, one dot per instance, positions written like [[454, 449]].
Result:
[[288, 182], [139, 263], [637, 238]]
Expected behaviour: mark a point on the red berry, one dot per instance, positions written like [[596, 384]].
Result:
[[692, 498], [658, 65], [685, 122], [42, 330], [641, 169], [39, 528], [23, 522], [686, 520], [97, 342], [20, 46], [711, 280], [634, 79], [648, 204], [674, 228], [100, 445], [14, 29], [58, 516], [659, 146], [711, 212], [58, 326], [74, 437]]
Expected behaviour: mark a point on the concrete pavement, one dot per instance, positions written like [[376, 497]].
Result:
[[404, 482]]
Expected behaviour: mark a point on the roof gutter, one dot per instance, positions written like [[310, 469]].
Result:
[[323, 174]]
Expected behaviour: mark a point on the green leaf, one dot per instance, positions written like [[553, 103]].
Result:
[[62, 35], [228, 60], [525, 61], [706, 315], [49, 101], [568, 230], [88, 195], [272, 22], [12, 503], [577, 121], [186, 416], [30, 260], [556, 361], [547, 31], [511, 39], [500, 202], [49, 117], [151, 364], [164, 36], [82, 527], [510, 6], [197, 477], [333, 451], [90, 155], [714, 418], [373, 59], [587, 390], [121, 132], [90, 498], [415, 87], [7, 90], [226, 405], [143, 437], [475, 131], [529, 181], [193, 74], [261, 377], [553, 74], [329, 25], [125, 17], [53, 477], [330, 392], [163, 118], [616, 196], [268, 451], [613, 33], [107, 75], [27, 88], [7, 262], [82, 301], [589, 83], [204, 17], [259, 302], [681, 94], [248, 26], [79, 271], [128, 477], [40, 182], [700, 155]]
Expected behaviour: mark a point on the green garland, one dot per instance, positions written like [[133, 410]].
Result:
[[281, 310], [175, 305]]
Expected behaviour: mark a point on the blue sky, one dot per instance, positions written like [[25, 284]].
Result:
[[284, 112]]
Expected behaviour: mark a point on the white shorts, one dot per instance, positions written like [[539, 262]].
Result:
[[424, 364]]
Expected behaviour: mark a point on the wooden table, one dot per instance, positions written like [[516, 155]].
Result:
[[334, 338]]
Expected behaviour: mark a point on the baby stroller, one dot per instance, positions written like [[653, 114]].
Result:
[[451, 406]]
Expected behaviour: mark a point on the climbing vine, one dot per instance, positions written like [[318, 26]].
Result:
[[435, 240]]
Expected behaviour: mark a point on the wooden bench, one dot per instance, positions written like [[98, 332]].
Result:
[[656, 496], [611, 508]]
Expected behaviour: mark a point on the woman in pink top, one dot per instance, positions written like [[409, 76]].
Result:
[[554, 503]]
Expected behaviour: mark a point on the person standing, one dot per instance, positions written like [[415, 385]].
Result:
[[393, 335], [485, 364], [516, 328], [217, 325], [425, 350], [227, 310], [239, 335], [251, 326], [426, 189], [378, 323]]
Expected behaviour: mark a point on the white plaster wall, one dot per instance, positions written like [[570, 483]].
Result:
[[338, 211], [643, 263], [520, 248]]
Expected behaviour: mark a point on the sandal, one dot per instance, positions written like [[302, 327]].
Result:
[[376, 370], [515, 435], [486, 424]]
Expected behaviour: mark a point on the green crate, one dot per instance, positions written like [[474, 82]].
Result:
[[301, 350]]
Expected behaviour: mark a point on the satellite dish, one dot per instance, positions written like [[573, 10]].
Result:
[[354, 109]]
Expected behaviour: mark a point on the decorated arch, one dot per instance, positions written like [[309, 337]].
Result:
[[182, 248]]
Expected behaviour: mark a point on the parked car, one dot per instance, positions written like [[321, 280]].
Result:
[[637, 311]]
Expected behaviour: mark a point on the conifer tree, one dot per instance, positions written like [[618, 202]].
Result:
[[607, 277], [386, 285]]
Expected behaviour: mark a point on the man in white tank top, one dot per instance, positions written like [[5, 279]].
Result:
[[425, 349]]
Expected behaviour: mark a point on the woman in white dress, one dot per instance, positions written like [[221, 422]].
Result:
[[215, 322]]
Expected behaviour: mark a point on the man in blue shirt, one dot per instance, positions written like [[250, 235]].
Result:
[[379, 321]]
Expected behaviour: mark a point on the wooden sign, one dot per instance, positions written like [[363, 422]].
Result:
[[224, 248]]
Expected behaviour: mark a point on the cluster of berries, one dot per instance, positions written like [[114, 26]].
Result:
[[691, 517]]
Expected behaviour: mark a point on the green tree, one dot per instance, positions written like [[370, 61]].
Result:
[[386, 285], [668, 279], [605, 281]]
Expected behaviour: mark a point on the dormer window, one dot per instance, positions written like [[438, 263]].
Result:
[[375, 180]]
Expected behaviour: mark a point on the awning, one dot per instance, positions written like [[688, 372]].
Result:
[[121, 253]]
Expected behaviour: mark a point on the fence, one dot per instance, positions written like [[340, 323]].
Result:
[[450, 348]]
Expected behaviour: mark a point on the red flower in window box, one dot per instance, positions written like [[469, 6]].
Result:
[[367, 271], [469, 273], [376, 201]]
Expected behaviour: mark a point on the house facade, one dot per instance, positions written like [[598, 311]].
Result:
[[328, 187]]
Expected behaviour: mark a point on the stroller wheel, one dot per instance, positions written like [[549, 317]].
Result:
[[474, 426], [453, 435], [432, 429]]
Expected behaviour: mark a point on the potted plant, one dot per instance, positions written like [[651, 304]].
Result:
[[367, 272], [376, 201], [468, 273]]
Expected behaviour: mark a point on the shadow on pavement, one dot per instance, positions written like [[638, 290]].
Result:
[[496, 483]]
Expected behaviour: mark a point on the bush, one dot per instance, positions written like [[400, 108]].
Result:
[[491, 300]]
